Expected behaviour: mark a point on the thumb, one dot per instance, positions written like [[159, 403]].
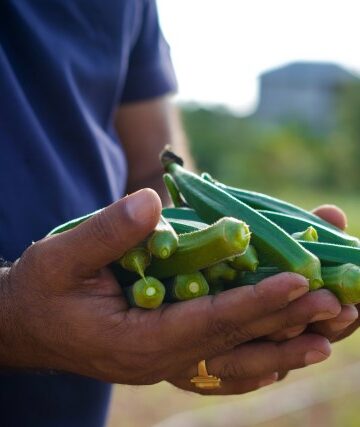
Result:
[[106, 236]]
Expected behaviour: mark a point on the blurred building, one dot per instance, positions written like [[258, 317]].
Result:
[[304, 92]]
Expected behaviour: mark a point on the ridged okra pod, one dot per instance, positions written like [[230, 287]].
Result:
[[269, 203], [147, 292], [174, 194], [218, 275], [184, 287], [248, 261], [333, 254], [308, 235], [342, 280], [163, 242], [136, 259], [211, 203], [200, 249], [292, 224]]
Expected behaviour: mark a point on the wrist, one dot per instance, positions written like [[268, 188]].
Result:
[[6, 322]]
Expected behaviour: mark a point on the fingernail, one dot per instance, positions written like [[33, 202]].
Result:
[[269, 380], [298, 293], [323, 316], [339, 326], [314, 357], [141, 206]]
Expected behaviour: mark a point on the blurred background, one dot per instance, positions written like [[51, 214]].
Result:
[[270, 98]]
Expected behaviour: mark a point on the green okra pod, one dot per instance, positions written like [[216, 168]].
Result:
[[72, 223], [344, 282], [333, 254], [218, 275], [211, 203], [147, 292], [184, 287], [264, 202], [136, 259], [173, 191], [200, 249], [163, 242], [247, 261], [308, 235], [292, 224]]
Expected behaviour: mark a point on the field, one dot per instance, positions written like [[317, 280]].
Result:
[[321, 395]]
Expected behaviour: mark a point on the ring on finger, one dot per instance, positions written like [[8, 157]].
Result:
[[203, 380]]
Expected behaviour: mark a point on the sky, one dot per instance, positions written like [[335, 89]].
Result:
[[220, 47]]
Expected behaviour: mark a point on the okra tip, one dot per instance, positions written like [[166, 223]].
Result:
[[167, 157]]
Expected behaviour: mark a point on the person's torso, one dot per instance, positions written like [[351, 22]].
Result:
[[62, 69]]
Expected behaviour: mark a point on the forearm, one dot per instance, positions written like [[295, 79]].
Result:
[[153, 181], [144, 129], [6, 351]]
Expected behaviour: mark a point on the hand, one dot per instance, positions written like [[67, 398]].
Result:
[[347, 321], [62, 309]]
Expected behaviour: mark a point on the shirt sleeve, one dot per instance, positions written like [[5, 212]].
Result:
[[150, 72]]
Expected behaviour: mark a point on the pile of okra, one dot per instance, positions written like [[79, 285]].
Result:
[[218, 237]]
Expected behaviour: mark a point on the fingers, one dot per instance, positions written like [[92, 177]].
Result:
[[216, 323], [229, 387], [332, 214], [311, 307], [253, 361], [337, 326], [108, 234], [286, 334]]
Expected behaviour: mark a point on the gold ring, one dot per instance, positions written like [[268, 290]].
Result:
[[204, 380]]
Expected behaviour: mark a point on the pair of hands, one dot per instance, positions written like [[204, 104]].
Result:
[[62, 309]]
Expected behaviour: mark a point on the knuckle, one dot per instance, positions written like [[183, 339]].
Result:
[[103, 230], [239, 335], [234, 371], [259, 296], [287, 321], [221, 326], [245, 333]]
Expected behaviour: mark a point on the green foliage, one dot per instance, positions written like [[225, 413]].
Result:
[[247, 153]]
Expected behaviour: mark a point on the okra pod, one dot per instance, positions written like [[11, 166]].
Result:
[[333, 254], [218, 275], [263, 201], [211, 203], [248, 261], [200, 249], [292, 224], [183, 287], [136, 259], [174, 194], [164, 241], [147, 292], [309, 235]]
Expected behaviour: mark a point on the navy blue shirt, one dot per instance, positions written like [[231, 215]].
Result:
[[65, 65]]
